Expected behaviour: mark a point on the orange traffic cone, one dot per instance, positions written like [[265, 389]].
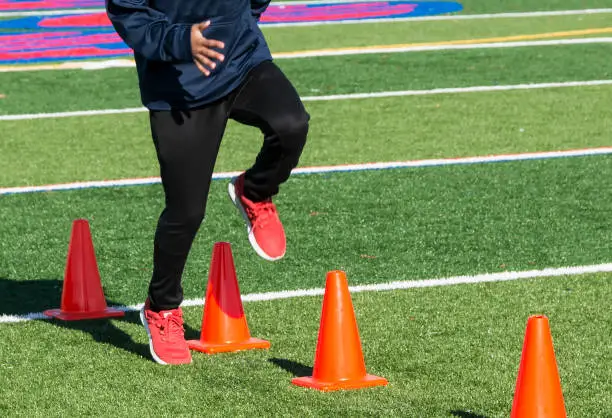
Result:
[[538, 387], [339, 362], [82, 294], [224, 325]]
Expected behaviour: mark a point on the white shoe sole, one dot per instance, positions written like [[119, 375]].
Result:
[[146, 326], [231, 189]]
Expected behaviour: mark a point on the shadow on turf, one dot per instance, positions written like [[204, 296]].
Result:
[[466, 414], [26, 296], [293, 367]]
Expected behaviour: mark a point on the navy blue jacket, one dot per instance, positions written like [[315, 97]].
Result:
[[159, 32]]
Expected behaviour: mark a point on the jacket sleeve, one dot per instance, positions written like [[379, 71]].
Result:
[[258, 7], [148, 32]]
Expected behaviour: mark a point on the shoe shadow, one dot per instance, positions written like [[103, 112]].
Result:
[[293, 367], [466, 414], [33, 296], [104, 331], [191, 333]]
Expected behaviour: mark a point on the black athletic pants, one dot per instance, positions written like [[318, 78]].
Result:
[[187, 143]]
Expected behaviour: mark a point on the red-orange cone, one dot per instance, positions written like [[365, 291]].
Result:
[[538, 387], [339, 362], [224, 325], [82, 294]]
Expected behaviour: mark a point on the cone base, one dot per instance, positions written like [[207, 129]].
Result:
[[79, 316], [366, 382], [250, 344]]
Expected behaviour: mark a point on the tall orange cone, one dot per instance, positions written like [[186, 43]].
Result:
[[82, 294], [224, 325], [339, 362], [538, 387]]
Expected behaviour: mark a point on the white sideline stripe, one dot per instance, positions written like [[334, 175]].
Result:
[[73, 114], [352, 96], [395, 285], [334, 52], [326, 169], [340, 22]]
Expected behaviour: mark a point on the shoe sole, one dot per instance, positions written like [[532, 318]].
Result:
[[146, 326], [231, 190]]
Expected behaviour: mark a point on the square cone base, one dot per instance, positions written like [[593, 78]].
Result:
[[250, 344], [366, 382], [79, 316]]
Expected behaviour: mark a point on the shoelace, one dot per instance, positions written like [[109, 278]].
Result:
[[260, 213], [170, 326]]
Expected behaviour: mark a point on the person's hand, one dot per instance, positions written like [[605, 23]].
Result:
[[204, 56]]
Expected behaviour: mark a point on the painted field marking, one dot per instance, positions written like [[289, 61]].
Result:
[[325, 169], [466, 44], [512, 15], [380, 287], [415, 46], [351, 96]]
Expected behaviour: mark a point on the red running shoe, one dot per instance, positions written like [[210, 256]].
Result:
[[266, 233], [166, 335]]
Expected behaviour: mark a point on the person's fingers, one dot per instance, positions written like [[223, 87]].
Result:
[[205, 61], [202, 48], [202, 69], [210, 53], [212, 43], [201, 26]]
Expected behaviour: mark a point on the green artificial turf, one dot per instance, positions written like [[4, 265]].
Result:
[[57, 91], [447, 352], [379, 226], [390, 129]]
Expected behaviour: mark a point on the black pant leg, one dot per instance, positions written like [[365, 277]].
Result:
[[187, 144], [269, 101]]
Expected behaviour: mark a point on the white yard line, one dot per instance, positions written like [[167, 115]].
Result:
[[395, 285], [326, 169], [73, 114], [352, 96]]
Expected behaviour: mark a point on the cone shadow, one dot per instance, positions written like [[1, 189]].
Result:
[[293, 367], [19, 297], [190, 333], [104, 331], [466, 414]]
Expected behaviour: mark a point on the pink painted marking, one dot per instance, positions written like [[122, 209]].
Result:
[[64, 53], [55, 40], [75, 21], [12, 5], [310, 13], [299, 13]]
